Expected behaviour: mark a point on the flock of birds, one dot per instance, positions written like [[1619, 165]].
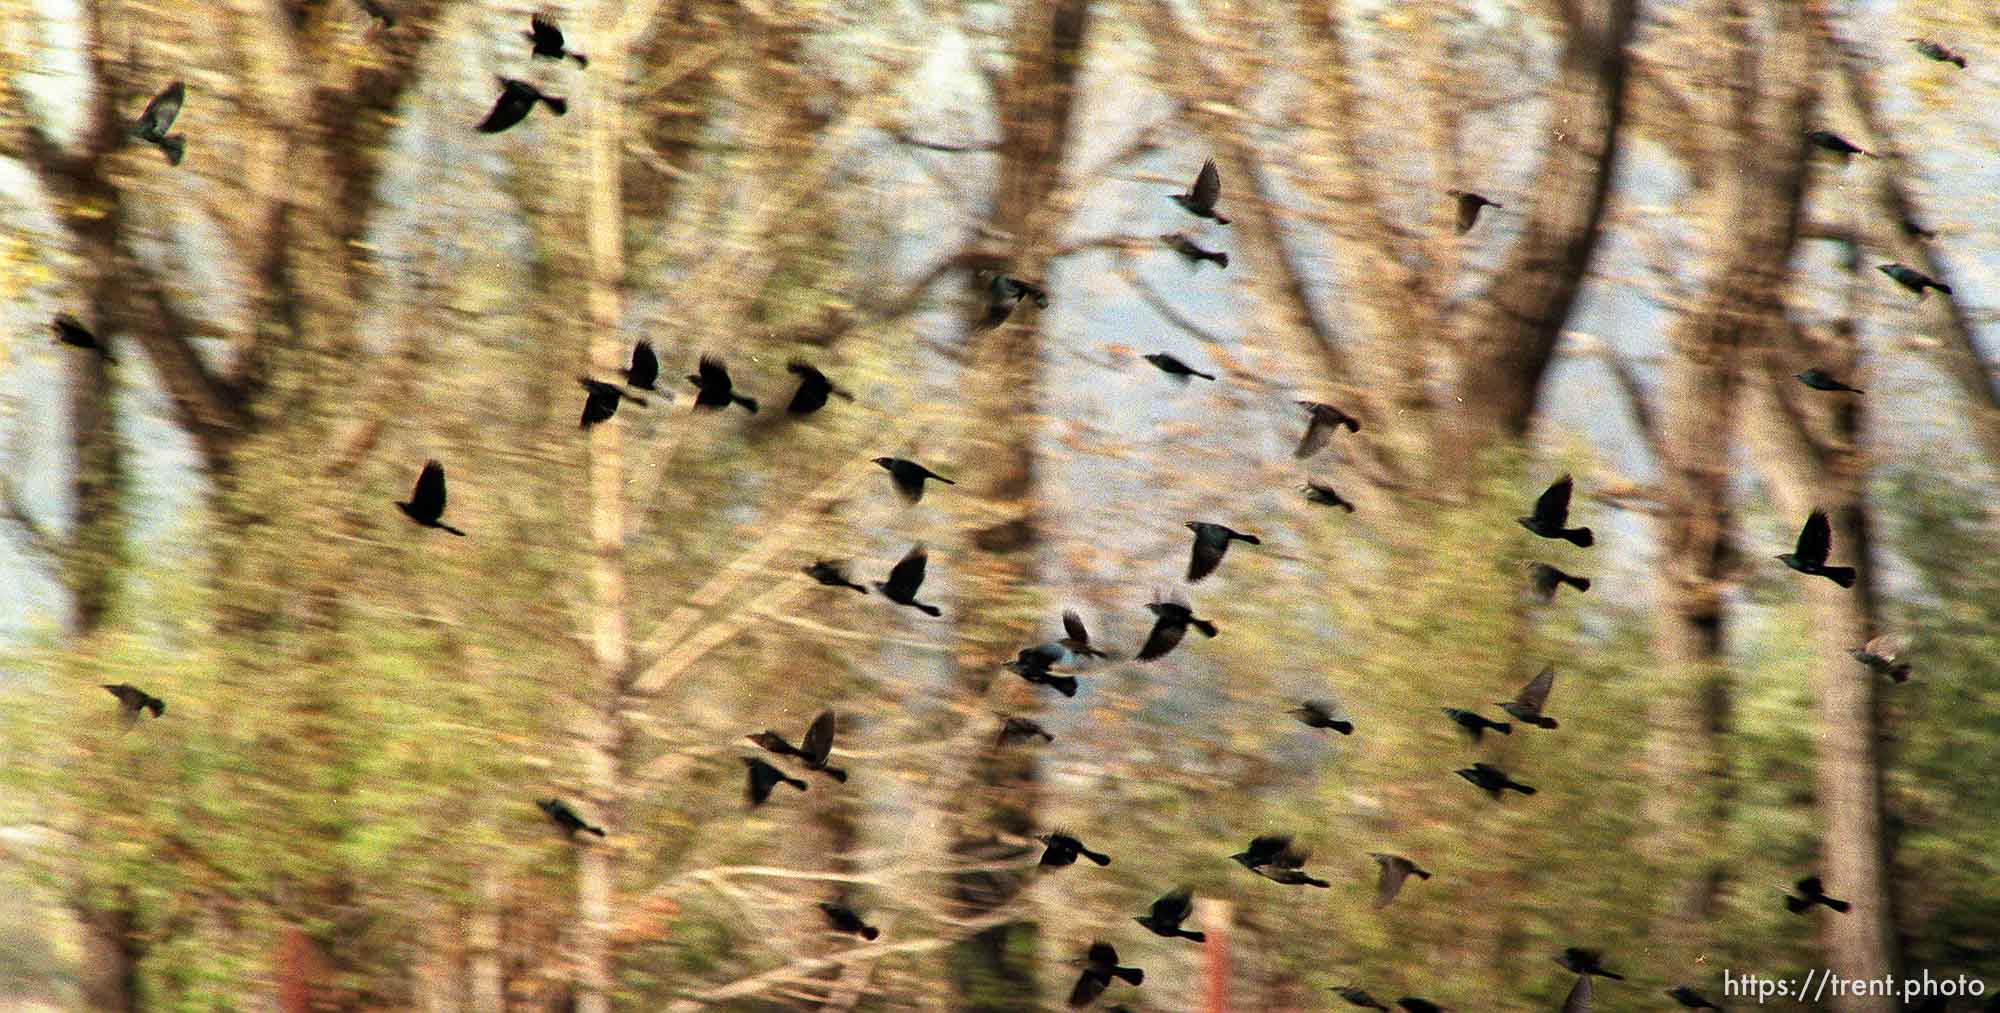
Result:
[[1274, 857]]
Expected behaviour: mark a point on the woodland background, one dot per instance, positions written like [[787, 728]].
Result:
[[344, 278]]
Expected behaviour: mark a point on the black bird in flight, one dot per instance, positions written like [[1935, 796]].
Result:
[[1830, 141], [1003, 293], [1320, 714], [1936, 51], [904, 580], [761, 777], [1395, 869], [1813, 893], [1032, 665], [1912, 279], [644, 372], [70, 331], [1527, 704], [132, 699], [1545, 579], [1493, 779], [1192, 251], [152, 125], [1412, 1004], [1321, 494], [517, 99], [1358, 996], [1262, 850], [1200, 198], [1469, 204], [846, 919], [1321, 421], [1279, 860], [1100, 966], [812, 751], [566, 818], [1171, 624], [1475, 725], [813, 389], [426, 503], [832, 573], [1586, 962], [1076, 639], [909, 476], [1019, 729], [1211, 541], [715, 390], [1167, 914], [1883, 656], [1809, 556], [1063, 848], [602, 401], [1176, 368], [1552, 513], [1579, 998], [1689, 998], [547, 40], [1820, 379]]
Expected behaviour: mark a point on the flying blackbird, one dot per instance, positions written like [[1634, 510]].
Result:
[[1176, 368], [1475, 725], [812, 751], [1395, 869], [1003, 293], [1033, 666], [1412, 1004], [1016, 729], [602, 401], [1493, 779], [1527, 704], [1809, 556], [1319, 714], [1579, 999], [1321, 421], [1062, 848], [1077, 639], [1883, 656], [904, 580], [547, 40], [1689, 998], [1469, 204], [909, 476], [1200, 198], [1585, 962], [1168, 913], [1210, 542], [1357, 996], [1813, 894], [715, 389], [1324, 495], [71, 331], [1171, 624], [1192, 251], [1552, 513], [426, 504], [566, 818], [132, 699], [1545, 579], [1820, 379], [517, 99], [152, 125], [813, 389], [1912, 279], [1099, 967], [762, 777], [832, 573], [1286, 866], [644, 372], [1835, 143], [1937, 51], [846, 919]]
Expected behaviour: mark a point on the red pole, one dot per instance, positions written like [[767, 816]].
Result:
[[1213, 916]]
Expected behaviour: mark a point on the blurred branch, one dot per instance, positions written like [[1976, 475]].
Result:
[[903, 136], [801, 968], [1643, 415], [47, 547], [209, 409]]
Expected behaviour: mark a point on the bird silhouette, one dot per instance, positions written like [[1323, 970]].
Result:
[[70, 331], [1357, 996], [1320, 714], [1171, 622], [1100, 966], [1003, 293], [761, 777], [426, 502], [1552, 514], [1278, 858], [1820, 379], [1809, 556], [1475, 725], [132, 699], [715, 389], [1883, 656], [1032, 665], [1689, 998], [1586, 962], [1936, 51], [1061, 848], [1412, 1004], [904, 580], [1321, 494], [1211, 541], [644, 372], [1493, 779], [909, 476], [1394, 870], [517, 99], [1076, 639], [1527, 704], [832, 573], [1200, 198], [1469, 205], [1175, 368], [565, 818], [846, 919], [813, 390], [1827, 140], [1912, 279], [1167, 914], [1544, 579], [153, 124], [602, 401], [1019, 729], [1321, 421], [1194, 253], [812, 751], [547, 41], [1813, 893]]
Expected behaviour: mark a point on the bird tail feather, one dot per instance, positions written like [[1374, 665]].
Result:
[[1579, 537], [455, 531], [749, 403], [1842, 575], [174, 145], [1322, 884], [1503, 727], [930, 610], [581, 60], [1795, 905], [1221, 259], [1219, 220], [1249, 539], [1549, 723], [1525, 789], [1840, 906], [1098, 857], [1192, 935], [837, 774], [1066, 685], [1580, 583], [556, 105], [599, 831]]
